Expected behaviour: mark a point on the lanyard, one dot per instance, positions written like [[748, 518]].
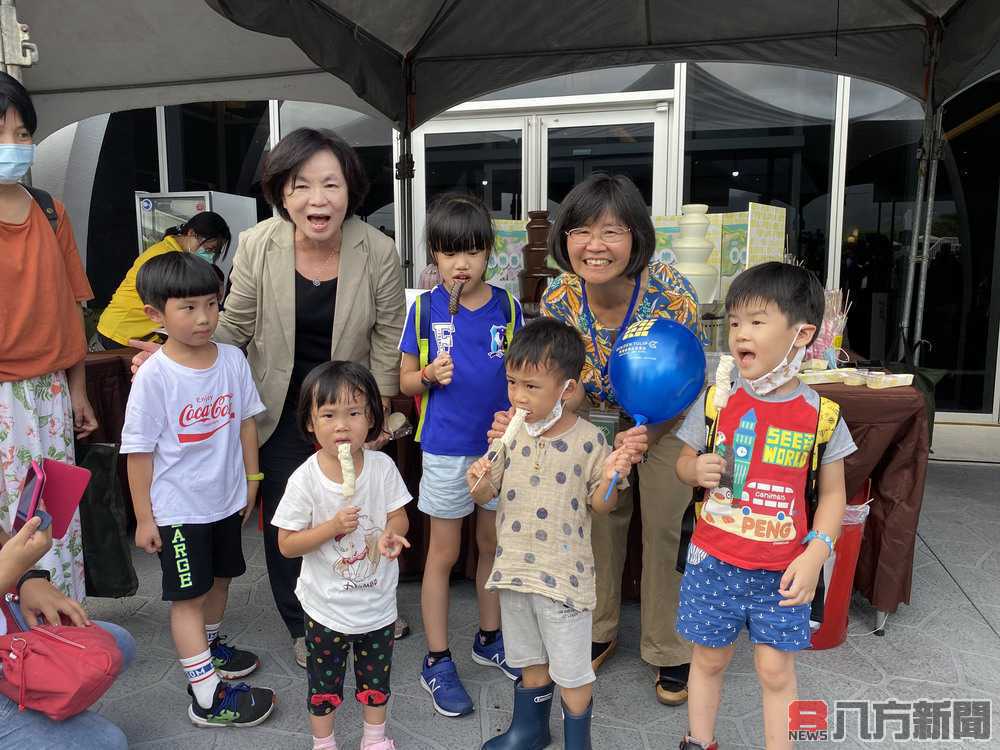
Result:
[[621, 329]]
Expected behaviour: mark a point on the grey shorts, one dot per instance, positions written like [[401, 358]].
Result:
[[538, 630], [444, 492]]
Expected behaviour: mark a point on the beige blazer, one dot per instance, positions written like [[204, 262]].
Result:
[[260, 309]]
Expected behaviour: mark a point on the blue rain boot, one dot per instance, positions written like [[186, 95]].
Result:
[[529, 727], [576, 728]]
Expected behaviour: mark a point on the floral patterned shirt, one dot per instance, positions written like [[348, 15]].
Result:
[[667, 295]]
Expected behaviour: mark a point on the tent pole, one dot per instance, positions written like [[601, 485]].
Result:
[[911, 267], [404, 173], [935, 157]]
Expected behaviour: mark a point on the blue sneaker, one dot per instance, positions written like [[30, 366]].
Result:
[[447, 693], [493, 655]]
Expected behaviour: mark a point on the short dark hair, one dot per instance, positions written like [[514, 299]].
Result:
[[457, 222], [794, 290], [176, 275], [207, 225], [599, 194], [294, 150], [550, 344], [13, 94], [327, 383]]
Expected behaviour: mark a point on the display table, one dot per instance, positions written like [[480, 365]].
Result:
[[889, 427]]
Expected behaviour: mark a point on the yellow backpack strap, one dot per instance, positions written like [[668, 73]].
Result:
[[693, 510], [422, 323], [509, 333], [829, 416]]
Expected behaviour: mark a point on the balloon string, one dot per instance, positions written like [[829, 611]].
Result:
[[616, 477]]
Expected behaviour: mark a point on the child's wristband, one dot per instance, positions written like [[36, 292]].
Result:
[[255, 477], [825, 538], [424, 380]]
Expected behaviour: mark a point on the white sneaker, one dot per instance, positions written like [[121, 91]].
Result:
[[299, 648]]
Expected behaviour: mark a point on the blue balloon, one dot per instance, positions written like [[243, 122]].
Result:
[[657, 369]]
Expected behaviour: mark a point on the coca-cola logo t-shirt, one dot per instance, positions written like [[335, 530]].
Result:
[[190, 421]]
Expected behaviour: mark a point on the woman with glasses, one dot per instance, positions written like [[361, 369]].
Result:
[[603, 239], [205, 234]]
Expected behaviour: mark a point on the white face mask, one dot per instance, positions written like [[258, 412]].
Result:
[[537, 428], [783, 372]]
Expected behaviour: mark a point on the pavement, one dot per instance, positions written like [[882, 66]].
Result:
[[944, 645]]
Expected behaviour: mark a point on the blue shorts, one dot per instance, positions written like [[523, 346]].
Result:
[[718, 599], [444, 493]]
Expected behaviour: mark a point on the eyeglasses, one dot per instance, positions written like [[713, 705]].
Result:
[[608, 235]]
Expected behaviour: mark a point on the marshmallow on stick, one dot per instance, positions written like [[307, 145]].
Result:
[[505, 440], [347, 468], [723, 382]]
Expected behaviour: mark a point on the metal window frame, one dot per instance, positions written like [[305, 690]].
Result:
[[658, 117], [161, 148], [838, 181], [477, 124]]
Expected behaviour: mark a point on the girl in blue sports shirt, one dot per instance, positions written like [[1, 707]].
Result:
[[464, 382]]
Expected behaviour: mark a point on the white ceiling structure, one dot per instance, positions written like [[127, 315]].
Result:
[[98, 56]]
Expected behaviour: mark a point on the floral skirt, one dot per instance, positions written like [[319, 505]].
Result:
[[36, 422]]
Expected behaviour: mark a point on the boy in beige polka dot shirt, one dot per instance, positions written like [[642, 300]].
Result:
[[554, 475]]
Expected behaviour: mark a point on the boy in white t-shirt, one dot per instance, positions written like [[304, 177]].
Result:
[[192, 467], [344, 514]]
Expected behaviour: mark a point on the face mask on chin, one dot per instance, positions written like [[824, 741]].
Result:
[[15, 161], [538, 428], [782, 372]]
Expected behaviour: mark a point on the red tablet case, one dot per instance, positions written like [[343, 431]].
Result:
[[63, 490]]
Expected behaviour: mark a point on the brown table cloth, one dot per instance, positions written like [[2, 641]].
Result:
[[889, 427]]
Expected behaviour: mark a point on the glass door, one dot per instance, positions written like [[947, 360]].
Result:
[[483, 156], [524, 155], [575, 145]]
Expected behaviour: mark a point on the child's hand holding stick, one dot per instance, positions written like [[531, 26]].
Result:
[[502, 442]]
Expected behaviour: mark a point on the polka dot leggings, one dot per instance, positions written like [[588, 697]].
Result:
[[326, 664]]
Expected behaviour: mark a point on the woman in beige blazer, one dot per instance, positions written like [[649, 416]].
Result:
[[312, 284]]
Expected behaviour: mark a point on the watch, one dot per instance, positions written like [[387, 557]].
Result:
[[33, 574]]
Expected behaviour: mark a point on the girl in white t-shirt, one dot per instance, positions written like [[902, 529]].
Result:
[[349, 530]]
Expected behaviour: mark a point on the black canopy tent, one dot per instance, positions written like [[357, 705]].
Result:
[[412, 59]]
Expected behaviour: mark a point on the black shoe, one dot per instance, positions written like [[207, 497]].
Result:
[[231, 663], [234, 705]]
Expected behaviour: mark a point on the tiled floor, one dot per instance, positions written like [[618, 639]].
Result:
[[944, 645]]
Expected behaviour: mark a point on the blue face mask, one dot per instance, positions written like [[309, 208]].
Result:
[[15, 161], [205, 254]]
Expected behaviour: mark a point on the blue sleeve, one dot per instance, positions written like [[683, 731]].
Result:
[[408, 342]]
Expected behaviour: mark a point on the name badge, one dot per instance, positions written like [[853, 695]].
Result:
[[606, 420]]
